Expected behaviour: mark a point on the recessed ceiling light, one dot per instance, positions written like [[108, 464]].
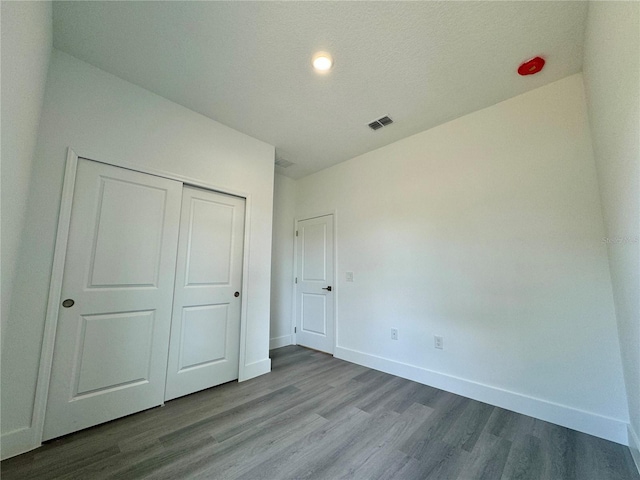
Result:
[[322, 62]]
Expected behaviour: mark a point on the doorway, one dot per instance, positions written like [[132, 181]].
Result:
[[315, 283]]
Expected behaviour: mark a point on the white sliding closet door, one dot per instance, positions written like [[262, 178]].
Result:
[[205, 330], [110, 356]]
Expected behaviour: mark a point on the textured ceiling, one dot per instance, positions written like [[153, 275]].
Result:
[[247, 64]]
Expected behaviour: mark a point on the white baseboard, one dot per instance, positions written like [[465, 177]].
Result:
[[17, 442], [280, 341], [586, 422], [255, 369], [634, 446]]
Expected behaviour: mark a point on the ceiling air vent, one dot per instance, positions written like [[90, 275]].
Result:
[[381, 122], [282, 163]]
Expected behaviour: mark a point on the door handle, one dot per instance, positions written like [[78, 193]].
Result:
[[327, 288]]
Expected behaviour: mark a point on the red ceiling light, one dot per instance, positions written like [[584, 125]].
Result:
[[531, 66]]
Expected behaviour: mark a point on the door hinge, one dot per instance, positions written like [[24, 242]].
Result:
[[295, 329], [296, 279], [296, 233]]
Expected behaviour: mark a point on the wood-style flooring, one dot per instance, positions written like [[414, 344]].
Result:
[[318, 417]]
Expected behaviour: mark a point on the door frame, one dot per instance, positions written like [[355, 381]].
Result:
[[336, 290], [57, 272]]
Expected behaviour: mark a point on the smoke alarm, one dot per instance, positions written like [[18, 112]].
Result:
[[531, 67]]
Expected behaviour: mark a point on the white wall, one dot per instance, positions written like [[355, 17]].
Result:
[[284, 191], [487, 231], [26, 49], [103, 117], [612, 83]]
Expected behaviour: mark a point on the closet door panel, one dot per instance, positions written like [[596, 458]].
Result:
[[114, 323], [205, 331]]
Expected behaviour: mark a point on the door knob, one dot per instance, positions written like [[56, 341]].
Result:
[[327, 288], [237, 294], [68, 303]]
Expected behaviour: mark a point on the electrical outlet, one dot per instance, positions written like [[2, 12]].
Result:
[[438, 342], [349, 276], [394, 334]]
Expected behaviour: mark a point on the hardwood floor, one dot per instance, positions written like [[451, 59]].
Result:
[[318, 417]]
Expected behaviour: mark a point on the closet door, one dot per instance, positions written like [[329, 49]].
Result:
[[205, 329], [110, 355]]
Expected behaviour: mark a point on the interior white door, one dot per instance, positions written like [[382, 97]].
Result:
[[205, 330], [315, 289], [110, 355]]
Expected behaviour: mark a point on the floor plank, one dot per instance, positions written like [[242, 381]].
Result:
[[317, 417]]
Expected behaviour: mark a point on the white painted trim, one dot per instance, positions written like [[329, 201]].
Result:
[[336, 296], [256, 369], [587, 422], [634, 445], [334, 217], [55, 290], [17, 442], [244, 304], [278, 342], [294, 286]]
